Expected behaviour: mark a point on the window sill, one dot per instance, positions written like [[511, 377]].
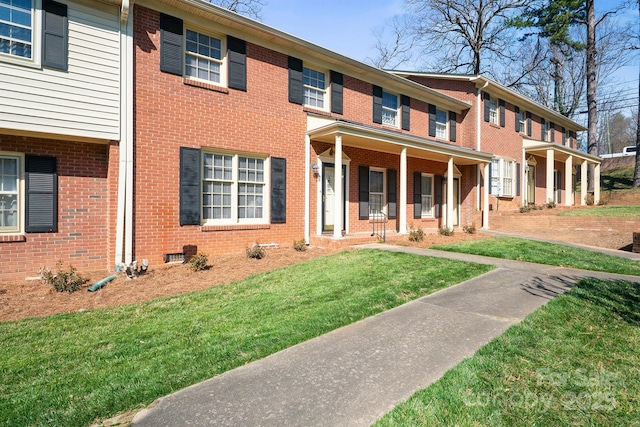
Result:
[[204, 85], [234, 227], [495, 125], [10, 238], [308, 109]]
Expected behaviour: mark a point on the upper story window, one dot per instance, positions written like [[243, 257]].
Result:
[[17, 28], [204, 58], [521, 121], [441, 124], [9, 193], [493, 111], [546, 131], [389, 109], [233, 188], [314, 88]]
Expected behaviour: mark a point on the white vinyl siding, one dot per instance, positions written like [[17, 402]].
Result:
[[82, 102]]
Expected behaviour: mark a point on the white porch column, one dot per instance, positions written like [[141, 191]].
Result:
[[550, 163], [338, 208], [402, 229], [583, 183], [449, 223], [596, 184], [568, 181], [485, 197], [307, 184]]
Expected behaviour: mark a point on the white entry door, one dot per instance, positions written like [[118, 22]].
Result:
[[328, 197]]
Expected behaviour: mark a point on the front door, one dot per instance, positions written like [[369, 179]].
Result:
[[456, 202], [328, 196], [531, 185]]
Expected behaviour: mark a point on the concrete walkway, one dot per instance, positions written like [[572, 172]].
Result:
[[354, 375]]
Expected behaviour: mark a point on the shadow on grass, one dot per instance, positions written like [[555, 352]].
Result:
[[619, 297], [549, 287]]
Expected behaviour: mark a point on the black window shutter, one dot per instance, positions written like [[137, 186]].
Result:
[[553, 131], [518, 179], [438, 191], [517, 117], [337, 86], [278, 190], [487, 109], [542, 123], [529, 132], [392, 193], [452, 126], [417, 195], [377, 104], [363, 192], [237, 49], [55, 35], [42, 194], [171, 33], [560, 185], [564, 136], [189, 186], [406, 112], [502, 120], [490, 177], [295, 80], [432, 120]]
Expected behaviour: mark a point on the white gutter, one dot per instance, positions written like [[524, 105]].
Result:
[[124, 210], [479, 143]]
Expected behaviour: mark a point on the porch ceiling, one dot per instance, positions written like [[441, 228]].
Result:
[[561, 153], [387, 141]]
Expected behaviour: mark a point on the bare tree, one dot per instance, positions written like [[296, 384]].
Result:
[[250, 8], [461, 36]]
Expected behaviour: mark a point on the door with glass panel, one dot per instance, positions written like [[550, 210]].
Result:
[[328, 196]]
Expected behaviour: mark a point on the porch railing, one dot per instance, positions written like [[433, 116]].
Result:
[[379, 225]]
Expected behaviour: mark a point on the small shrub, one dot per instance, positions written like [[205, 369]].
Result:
[[525, 209], [64, 280], [300, 245], [199, 262], [444, 231], [256, 251], [589, 199], [536, 208], [550, 204], [416, 235], [470, 228]]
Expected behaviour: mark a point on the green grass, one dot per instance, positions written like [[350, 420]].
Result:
[[573, 362], [605, 212], [544, 253], [74, 369]]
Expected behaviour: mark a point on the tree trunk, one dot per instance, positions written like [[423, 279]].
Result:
[[592, 120], [636, 174]]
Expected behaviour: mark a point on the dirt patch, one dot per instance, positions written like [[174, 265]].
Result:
[[23, 299]]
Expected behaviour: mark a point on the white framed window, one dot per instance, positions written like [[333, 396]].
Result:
[[502, 177], [426, 190], [522, 123], [20, 31], [10, 198], [205, 57], [546, 131], [389, 109], [441, 124], [314, 88], [376, 192], [233, 188], [493, 111]]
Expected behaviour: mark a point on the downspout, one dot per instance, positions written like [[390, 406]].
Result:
[[125, 167], [479, 142]]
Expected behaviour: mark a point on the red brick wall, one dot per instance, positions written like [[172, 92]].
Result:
[[171, 114], [85, 210]]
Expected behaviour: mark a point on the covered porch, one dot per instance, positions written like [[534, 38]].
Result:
[[403, 163], [554, 167]]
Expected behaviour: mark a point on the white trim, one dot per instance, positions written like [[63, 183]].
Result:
[[323, 158], [398, 114], [403, 192], [224, 63], [422, 194], [307, 187], [326, 98], [384, 190], [36, 41], [20, 192]]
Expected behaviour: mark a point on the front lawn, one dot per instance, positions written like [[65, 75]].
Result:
[[605, 212], [573, 362], [544, 253], [74, 369]]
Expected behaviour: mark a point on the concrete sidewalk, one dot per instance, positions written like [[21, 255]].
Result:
[[354, 375]]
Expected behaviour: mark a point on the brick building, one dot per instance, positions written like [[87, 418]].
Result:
[[168, 127]]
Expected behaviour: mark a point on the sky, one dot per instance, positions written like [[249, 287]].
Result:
[[347, 26]]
